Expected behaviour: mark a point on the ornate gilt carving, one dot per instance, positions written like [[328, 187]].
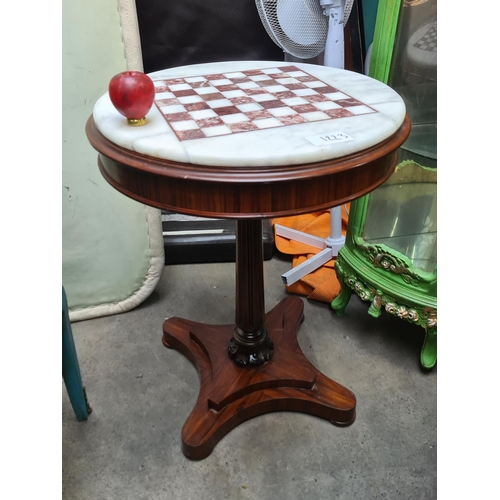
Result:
[[431, 318], [425, 317], [384, 260]]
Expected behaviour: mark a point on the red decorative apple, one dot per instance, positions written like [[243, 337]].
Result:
[[132, 94]]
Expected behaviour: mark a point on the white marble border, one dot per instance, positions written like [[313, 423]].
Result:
[[263, 147]]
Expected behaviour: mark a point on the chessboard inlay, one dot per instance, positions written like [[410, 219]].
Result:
[[243, 101]]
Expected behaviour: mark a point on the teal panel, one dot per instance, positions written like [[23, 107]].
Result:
[[369, 16]]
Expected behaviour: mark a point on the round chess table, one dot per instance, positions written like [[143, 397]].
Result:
[[251, 140]]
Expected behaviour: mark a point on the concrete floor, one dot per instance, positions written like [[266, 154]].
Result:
[[142, 393]]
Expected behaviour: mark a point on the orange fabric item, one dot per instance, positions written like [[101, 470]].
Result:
[[321, 284]]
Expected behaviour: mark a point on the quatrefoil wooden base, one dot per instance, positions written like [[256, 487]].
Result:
[[230, 395]]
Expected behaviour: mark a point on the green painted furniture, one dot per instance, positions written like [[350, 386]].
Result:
[[389, 257], [390, 254]]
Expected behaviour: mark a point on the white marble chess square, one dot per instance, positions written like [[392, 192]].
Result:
[[219, 103], [235, 118], [275, 88], [237, 74], [301, 92], [179, 86], [263, 97], [189, 99], [206, 90], [224, 81], [314, 84], [287, 81], [184, 125], [251, 106], [258, 78], [202, 113], [164, 95], [248, 85], [272, 71], [175, 108], [336, 96], [195, 79], [218, 130], [268, 123], [282, 111], [315, 116], [326, 105], [294, 101], [233, 93]]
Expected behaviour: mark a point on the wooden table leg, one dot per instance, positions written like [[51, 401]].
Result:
[[255, 366], [250, 344]]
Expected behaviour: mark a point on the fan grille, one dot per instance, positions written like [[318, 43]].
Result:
[[299, 27]]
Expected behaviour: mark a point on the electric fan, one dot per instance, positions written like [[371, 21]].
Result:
[[304, 29]]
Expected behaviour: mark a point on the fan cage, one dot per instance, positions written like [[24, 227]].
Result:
[[313, 26]]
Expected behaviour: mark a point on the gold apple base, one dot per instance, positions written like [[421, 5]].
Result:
[[136, 122]]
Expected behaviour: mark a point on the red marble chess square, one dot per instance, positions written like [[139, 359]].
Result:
[[266, 83], [315, 98], [253, 72], [337, 113], [327, 89], [178, 117], [226, 110], [210, 122], [348, 102], [183, 93], [212, 97], [167, 102], [196, 106], [199, 85], [259, 115], [225, 88], [255, 91], [286, 69], [295, 86], [307, 78], [174, 81], [304, 108], [163, 88], [242, 127], [291, 119], [240, 80], [215, 77], [186, 135], [272, 104], [241, 100], [275, 76], [284, 95]]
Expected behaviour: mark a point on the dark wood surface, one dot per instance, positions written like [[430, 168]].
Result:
[[240, 192], [249, 290], [230, 395], [254, 366]]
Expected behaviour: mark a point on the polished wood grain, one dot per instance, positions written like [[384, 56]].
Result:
[[230, 395], [245, 192], [250, 345], [249, 275], [254, 366]]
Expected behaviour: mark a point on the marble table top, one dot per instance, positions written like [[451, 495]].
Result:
[[257, 113]]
